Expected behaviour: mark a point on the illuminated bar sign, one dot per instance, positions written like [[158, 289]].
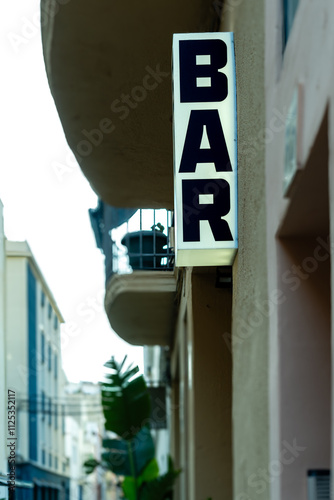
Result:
[[205, 149]]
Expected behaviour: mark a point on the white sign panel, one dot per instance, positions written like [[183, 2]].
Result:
[[205, 149]]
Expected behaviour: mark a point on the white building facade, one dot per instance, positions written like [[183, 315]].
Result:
[[34, 375], [84, 432], [3, 385]]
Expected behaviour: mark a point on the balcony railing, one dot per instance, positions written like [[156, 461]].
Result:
[[143, 243]]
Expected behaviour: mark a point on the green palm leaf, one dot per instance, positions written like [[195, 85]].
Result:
[[131, 485], [125, 400], [159, 488], [117, 455], [90, 465]]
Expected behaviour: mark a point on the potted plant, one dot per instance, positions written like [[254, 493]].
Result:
[[146, 248], [126, 407]]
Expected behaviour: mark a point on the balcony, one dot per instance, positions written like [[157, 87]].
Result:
[[143, 243], [140, 284], [108, 65]]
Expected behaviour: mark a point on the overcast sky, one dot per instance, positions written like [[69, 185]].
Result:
[[46, 198]]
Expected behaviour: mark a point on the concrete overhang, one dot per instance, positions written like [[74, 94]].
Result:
[[109, 69], [141, 306]]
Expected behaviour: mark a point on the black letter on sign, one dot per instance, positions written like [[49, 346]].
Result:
[[192, 151], [212, 209], [192, 89]]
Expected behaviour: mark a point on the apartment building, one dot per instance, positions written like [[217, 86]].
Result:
[[248, 345], [3, 385], [34, 374], [84, 432]]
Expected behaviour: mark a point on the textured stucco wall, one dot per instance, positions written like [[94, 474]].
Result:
[[306, 60], [202, 373], [211, 383], [250, 307]]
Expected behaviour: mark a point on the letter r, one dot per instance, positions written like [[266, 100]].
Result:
[[216, 204], [200, 80]]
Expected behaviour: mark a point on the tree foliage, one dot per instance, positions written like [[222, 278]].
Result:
[[126, 407]]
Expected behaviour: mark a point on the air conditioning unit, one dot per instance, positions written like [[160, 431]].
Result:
[[319, 484]]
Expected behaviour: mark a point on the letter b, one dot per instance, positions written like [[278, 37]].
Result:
[[200, 80]]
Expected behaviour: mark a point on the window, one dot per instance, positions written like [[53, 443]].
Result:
[[43, 405], [49, 357], [50, 411], [63, 419], [49, 311], [55, 366], [43, 347], [290, 9], [42, 299], [43, 457], [50, 460], [55, 322], [56, 462], [56, 415]]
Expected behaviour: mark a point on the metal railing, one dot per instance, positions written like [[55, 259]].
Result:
[[143, 242]]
